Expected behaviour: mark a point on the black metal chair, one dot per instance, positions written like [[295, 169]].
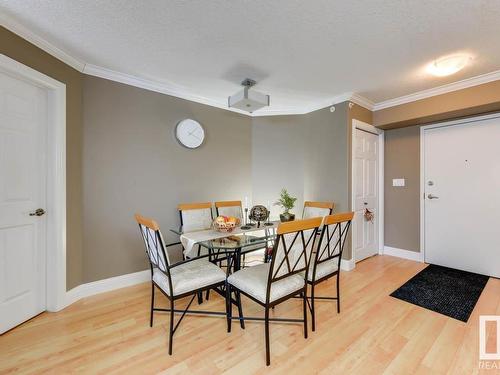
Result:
[[283, 278], [325, 262], [179, 280]]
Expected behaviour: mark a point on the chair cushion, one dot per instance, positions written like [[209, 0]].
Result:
[[253, 281], [323, 269], [189, 277]]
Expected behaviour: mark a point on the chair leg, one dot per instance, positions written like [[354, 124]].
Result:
[[200, 298], [304, 308], [266, 323], [240, 309], [338, 292], [171, 332], [313, 313], [229, 307], [207, 296], [152, 304]]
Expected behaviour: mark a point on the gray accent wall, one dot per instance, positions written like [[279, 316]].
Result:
[[133, 163], [306, 154]]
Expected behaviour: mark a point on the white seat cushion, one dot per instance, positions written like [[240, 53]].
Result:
[[189, 276], [323, 269], [253, 281]]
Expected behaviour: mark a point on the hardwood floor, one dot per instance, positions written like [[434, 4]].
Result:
[[374, 334]]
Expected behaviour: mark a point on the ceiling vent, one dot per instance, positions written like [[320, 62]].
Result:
[[248, 100]]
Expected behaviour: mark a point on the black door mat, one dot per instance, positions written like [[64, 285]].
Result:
[[448, 291]]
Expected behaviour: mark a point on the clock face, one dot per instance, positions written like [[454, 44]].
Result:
[[190, 133]]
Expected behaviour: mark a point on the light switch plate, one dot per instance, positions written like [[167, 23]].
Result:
[[399, 182]]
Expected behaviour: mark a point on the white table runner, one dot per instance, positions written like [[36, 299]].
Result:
[[190, 239]]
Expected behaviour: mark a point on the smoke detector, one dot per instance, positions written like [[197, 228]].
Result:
[[248, 100]]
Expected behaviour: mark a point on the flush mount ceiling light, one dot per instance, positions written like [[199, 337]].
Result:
[[247, 100], [447, 65]]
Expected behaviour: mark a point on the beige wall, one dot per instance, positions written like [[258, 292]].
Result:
[[18, 49], [402, 204], [133, 163]]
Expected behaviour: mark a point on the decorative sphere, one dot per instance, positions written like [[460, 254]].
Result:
[[259, 213]]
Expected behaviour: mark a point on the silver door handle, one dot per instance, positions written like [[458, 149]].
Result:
[[430, 196]]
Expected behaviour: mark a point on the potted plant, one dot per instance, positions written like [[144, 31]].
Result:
[[287, 202]]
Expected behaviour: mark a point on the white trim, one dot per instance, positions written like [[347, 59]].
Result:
[[347, 264], [381, 192], [183, 93], [422, 164], [14, 26], [357, 124], [444, 89], [177, 91], [106, 285], [405, 254], [163, 88], [56, 177]]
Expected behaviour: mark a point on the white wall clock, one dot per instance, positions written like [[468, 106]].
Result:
[[190, 133]]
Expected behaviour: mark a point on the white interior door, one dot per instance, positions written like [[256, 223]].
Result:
[[365, 180], [462, 178], [23, 133]]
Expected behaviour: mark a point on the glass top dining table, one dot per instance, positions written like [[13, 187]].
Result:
[[241, 239]]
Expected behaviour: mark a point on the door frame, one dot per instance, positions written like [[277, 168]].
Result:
[[56, 177], [357, 124], [423, 129]]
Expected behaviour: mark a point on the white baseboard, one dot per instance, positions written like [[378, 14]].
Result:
[[106, 285], [347, 264], [405, 254]]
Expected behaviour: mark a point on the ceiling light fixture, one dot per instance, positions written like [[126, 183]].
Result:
[[448, 65], [247, 100]]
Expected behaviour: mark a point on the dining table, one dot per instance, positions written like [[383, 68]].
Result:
[[236, 242]]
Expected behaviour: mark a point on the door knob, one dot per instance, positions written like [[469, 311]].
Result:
[[430, 196], [38, 212]]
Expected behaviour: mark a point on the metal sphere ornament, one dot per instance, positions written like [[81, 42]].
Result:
[[259, 213]]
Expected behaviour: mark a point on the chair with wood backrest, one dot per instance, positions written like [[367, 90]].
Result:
[[229, 208], [317, 209], [176, 280], [283, 278], [325, 262], [195, 216]]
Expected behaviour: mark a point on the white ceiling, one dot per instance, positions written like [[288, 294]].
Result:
[[303, 53]]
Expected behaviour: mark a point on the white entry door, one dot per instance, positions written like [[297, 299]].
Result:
[[23, 133], [462, 196], [365, 180]]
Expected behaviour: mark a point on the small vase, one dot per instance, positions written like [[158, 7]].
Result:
[[287, 216]]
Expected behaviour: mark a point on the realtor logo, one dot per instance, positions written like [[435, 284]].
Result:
[[487, 336]]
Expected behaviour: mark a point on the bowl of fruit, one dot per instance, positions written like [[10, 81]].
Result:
[[225, 223]]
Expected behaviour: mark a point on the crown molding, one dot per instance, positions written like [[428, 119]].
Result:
[[362, 101], [444, 89], [183, 93], [41, 43], [151, 85]]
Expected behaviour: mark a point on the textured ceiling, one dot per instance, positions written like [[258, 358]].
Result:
[[301, 52]]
